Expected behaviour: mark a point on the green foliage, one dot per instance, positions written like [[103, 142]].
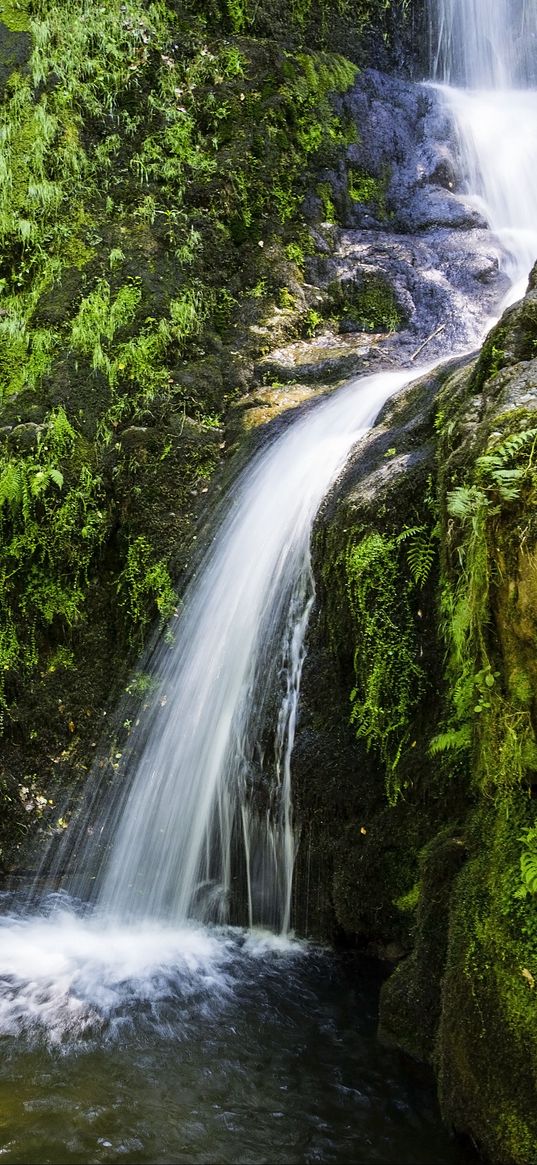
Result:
[[496, 470], [420, 550], [14, 14], [238, 14], [144, 585], [367, 189], [312, 320], [528, 864], [373, 307], [482, 715], [324, 191], [389, 680], [99, 318], [52, 523]]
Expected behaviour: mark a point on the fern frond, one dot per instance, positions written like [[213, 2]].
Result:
[[465, 500], [528, 870], [409, 532], [420, 556], [507, 451], [454, 740]]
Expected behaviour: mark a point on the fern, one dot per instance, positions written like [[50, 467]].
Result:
[[507, 451], [528, 864], [492, 467], [389, 679], [420, 558], [528, 869], [454, 740], [464, 501], [409, 532], [420, 552]]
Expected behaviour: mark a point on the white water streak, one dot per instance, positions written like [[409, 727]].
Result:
[[172, 837], [485, 44], [491, 47]]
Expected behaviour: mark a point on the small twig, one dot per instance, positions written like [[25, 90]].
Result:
[[427, 341]]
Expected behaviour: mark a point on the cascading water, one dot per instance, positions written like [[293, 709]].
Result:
[[208, 802], [485, 44], [244, 620], [490, 48], [200, 786]]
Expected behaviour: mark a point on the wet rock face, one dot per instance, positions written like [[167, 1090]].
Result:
[[436, 877], [360, 855], [405, 263], [406, 214]]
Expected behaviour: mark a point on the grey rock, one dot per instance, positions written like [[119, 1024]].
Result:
[[25, 437]]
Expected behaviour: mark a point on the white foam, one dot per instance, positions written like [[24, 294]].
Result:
[[66, 974]]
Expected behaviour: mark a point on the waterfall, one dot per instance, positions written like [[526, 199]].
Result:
[[484, 44], [490, 48], [200, 822], [204, 816], [198, 769]]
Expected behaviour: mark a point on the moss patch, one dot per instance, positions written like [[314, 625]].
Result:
[[15, 15]]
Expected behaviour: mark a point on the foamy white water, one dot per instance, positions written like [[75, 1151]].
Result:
[[244, 621], [498, 139], [485, 44], [65, 976], [490, 46]]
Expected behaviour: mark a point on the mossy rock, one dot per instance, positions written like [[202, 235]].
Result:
[[410, 1003], [486, 1051], [15, 46]]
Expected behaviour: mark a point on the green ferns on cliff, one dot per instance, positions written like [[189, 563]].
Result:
[[487, 599], [501, 476], [389, 680], [139, 159]]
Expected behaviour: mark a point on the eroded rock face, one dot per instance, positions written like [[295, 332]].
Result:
[[406, 260], [412, 219]]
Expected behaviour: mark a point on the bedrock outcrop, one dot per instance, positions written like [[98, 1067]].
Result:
[[418, 826]]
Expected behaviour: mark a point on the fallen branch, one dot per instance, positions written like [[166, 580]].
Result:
[[427, 341]]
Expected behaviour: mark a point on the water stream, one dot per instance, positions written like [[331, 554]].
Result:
[[491, 49], [138, 1024]]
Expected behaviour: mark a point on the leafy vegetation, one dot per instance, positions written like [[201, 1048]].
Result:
[[389, 679], [482, 714], [153, 165]]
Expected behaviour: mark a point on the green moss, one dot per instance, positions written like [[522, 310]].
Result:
[[410, 1004], [145, 585], [369, 190], [14, 14], [487, 1044], [490, 711], [374, 308]]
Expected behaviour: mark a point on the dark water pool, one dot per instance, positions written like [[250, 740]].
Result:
[[149, 1044]]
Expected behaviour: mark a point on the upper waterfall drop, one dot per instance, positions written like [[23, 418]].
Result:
[[484, 56], [485, 44]]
